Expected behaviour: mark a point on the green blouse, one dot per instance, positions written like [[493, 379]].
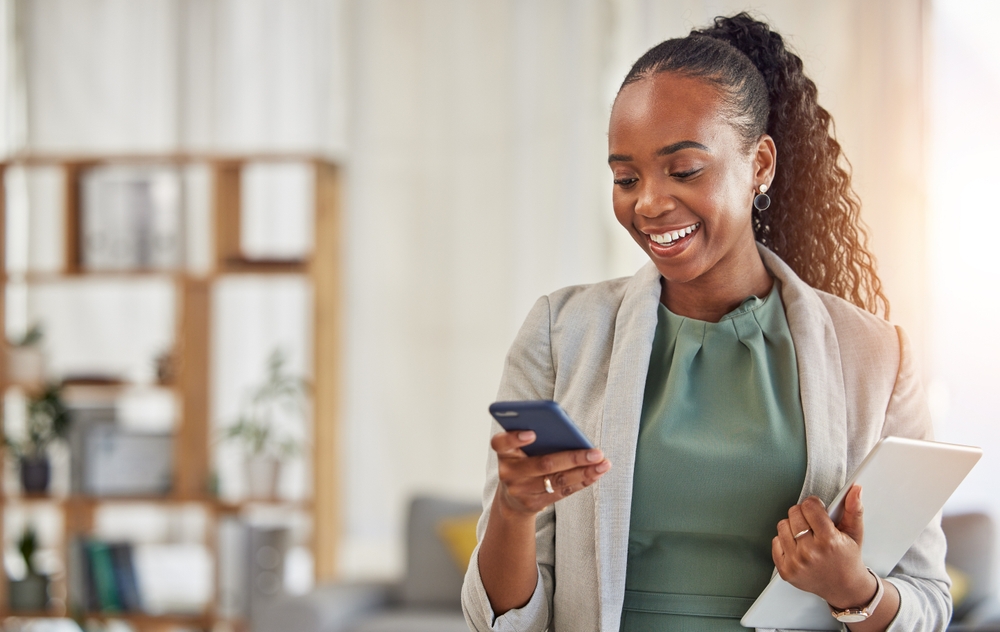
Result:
[[720, 459]]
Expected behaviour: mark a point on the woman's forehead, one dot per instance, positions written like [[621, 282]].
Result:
[[664, 108]]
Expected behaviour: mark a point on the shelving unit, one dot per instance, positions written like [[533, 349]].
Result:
[[193, 291]]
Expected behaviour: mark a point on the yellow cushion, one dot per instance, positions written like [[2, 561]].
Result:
[[960, 585], [459, 535]]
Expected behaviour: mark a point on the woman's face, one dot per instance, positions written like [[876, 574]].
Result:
[[683, 181]]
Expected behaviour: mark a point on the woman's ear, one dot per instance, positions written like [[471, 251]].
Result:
[[765, 158]]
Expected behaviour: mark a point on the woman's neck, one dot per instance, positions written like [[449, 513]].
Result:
[[715, 294]]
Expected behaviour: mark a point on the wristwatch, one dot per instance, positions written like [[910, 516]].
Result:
[[854, 615]]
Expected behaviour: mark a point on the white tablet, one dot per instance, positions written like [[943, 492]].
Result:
[[905, 483]]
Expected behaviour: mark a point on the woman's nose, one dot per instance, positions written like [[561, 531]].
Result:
[[654, 201]]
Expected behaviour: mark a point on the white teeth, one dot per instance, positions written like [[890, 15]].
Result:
[[674, 235]]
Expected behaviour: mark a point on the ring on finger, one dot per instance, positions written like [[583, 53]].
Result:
[[800, 534], [548, 486]]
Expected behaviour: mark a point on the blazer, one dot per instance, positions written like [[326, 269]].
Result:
[[588, 347]]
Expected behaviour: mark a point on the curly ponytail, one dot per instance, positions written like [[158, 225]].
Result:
[[814, 221]]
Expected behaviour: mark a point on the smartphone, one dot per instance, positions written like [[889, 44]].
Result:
[[554, 430]]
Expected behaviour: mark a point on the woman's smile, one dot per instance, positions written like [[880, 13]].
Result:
[[669, 243]]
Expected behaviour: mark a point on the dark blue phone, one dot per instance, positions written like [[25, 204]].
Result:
[[554, 430]]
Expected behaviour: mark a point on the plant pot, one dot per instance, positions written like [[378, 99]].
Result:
[[262, 476], [35, 474], [28, 594]]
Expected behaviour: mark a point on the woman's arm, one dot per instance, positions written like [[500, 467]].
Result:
[[510, 579], [507, 563]]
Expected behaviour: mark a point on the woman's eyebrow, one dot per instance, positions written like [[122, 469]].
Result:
[[663, 151], [684, 144]]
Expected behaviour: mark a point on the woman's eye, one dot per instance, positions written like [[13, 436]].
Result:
[[681, 175], [626, 182]]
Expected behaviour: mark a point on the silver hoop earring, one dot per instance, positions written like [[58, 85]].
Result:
[[761, 201]]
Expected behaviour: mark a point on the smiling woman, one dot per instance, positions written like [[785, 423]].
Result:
[[733, 382], [700, 183]]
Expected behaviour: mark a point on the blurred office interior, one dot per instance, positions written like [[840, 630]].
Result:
[[348, 206]]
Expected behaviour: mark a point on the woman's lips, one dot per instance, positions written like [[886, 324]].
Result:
[[672, 242]]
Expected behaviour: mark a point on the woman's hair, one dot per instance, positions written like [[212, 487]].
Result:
[[814, 221]]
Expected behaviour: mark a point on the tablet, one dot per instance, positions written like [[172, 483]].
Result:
[[905, 482]]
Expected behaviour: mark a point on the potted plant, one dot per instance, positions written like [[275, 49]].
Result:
[[31, 593], [25, 359], [256, 429], [47, 421]]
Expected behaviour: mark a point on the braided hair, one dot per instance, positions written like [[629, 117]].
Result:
[[813, 222]]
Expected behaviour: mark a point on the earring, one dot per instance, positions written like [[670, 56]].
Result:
[[761, 201]]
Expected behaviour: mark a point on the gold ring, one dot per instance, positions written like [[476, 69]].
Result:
[[800, 534], [548, 486]]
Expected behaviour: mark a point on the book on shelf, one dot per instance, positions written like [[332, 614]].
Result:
[[125, 576], [131, 218], [118, 461], [102, 574], [101, 577], [107, 459], [251, 566], [82, 418]]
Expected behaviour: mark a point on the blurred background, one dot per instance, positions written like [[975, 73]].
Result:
[[264, 259]]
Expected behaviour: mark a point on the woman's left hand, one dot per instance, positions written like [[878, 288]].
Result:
[[825, 558]]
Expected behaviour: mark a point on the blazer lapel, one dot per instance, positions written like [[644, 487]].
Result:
[[635, 326], [821, 381]]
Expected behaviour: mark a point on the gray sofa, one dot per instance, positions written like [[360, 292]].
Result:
[[972, 550], [426, 600]]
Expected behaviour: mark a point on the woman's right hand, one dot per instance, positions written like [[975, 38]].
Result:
[[522, 488], [507, 563]]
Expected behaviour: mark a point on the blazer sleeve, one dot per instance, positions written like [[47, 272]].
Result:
[[529, 374], [920, 577]]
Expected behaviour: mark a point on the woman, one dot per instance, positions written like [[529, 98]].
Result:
[[734, 382]]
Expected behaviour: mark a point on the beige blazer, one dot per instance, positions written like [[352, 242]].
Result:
[[588, 348]]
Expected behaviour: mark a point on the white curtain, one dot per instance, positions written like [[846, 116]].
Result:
[[165, 75], [473, 136]]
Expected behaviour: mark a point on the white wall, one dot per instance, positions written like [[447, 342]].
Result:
[[964, 269], [474, 140]]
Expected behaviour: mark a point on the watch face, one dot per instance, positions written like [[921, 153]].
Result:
[[851, 617]]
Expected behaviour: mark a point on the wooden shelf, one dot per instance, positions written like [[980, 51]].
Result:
[[222, 506], [179, 158], [101, 275], [232, 266], [140, 619], [263, 266], [194, 434]]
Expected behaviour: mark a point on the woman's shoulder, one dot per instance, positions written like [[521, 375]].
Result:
[[862, 334], [853, 320], [855, 327], [604, 295]]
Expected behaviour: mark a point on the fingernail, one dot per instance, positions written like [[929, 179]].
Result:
[[527, 435], [594, 455], [604, 467]]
